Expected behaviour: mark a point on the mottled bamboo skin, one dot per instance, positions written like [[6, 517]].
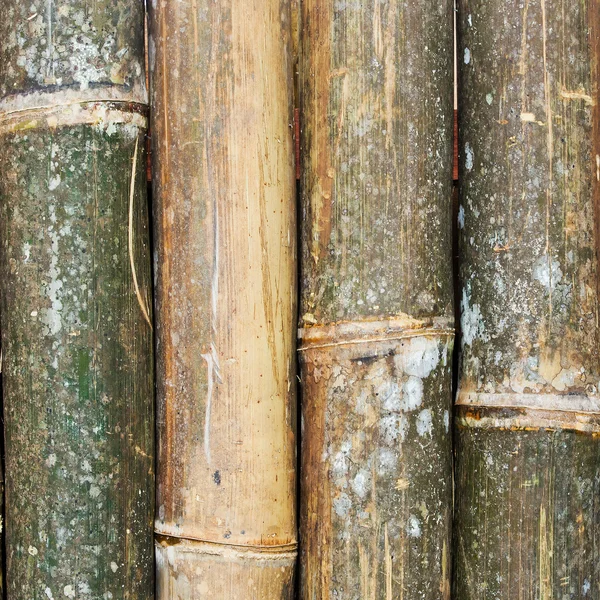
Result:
[[376, 299], [221, 78], [528, 454], [75, 302]]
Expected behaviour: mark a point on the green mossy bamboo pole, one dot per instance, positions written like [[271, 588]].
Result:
[[528, 414], [376, 299], [75, 301], [221, 80]]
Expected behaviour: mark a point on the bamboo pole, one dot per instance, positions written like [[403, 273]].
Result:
[[221, 80], [376, 299], [528, 414], [75, 301]]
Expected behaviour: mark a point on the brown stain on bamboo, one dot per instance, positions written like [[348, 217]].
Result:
[[225, 228], [527, 413]]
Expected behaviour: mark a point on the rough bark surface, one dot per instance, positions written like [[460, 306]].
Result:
[[376, 299], [528, 524], [75, 302], [221, 76]]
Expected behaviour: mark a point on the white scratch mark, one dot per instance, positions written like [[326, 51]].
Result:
[[214, 370]]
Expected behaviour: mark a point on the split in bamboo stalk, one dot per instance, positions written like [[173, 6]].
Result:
[[75, 301], [528, 414], [221, 82], [376, 299]]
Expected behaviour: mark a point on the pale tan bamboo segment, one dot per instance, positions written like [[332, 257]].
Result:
[[221, 80]]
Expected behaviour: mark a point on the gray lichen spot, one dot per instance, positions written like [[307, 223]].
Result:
[[471, 320], [413, 393], [421, 357], [547, 272], [414, 527], [469, 157], [361, 483], [425, 423], [342, 505]]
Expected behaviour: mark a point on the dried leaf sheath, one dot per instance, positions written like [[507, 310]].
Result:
[[376, 299], [528, 456], [221, 78], [77, 348]]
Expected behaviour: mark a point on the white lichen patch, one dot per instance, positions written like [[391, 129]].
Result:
[[413, 527], [412, 393], [467, 56], [54, 182], [69, 591], [389, 395], [419, 358], [424, 423], [565, 379], [469, 157], [547, 272], [342, 505], [461, 217], [361, 483], [471, 320], [392, 427], [386, 462]]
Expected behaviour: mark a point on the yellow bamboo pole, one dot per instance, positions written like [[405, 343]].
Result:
[[221, 79]]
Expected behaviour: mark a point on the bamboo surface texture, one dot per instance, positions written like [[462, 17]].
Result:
[[376, 299], [528, 414], [75, 301], [221, 79]]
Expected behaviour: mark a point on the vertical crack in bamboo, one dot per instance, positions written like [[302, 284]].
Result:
[[528, 407]]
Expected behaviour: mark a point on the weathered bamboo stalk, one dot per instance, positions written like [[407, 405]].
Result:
[[224, 219], [2, 530], [75, 301], [376, 299], [528, 414]]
